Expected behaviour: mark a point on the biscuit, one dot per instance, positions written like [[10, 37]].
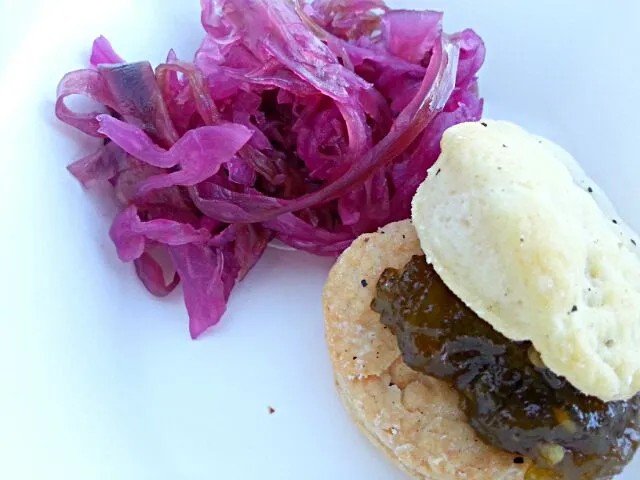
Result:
[[415, 419], [518, 232]]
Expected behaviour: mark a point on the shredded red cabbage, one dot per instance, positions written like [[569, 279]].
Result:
[[308, 122]]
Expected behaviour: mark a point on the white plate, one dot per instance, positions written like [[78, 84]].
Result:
[[100, 381]]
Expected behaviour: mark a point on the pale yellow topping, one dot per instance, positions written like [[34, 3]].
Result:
[[516, 229]]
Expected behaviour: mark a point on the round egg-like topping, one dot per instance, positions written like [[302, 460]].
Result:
[[516, 230]]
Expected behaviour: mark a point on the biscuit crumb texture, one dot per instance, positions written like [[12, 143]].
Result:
[[415, 419], [536, 249]]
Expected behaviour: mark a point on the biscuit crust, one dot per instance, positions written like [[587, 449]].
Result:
[[415, 419]]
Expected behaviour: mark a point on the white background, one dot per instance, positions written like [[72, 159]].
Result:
[[98, 380]]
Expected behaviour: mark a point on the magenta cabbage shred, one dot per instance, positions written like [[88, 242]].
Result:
[[310, 122]]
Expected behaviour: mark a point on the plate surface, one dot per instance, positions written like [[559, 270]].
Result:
[[101, 381]]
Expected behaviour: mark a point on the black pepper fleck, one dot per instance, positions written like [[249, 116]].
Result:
[[504, 146], [574, 309], [615, 221], [438, 172], [590, 190], [363, 282], [404, 236], [271, 410], [518, 460], [355, 358], [366, 240], [382, 232], [634, 242], [484, 124]]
